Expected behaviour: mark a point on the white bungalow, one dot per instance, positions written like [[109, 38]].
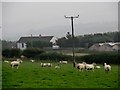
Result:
[[23, 41]]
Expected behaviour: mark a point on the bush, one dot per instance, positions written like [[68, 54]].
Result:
[[10, 53], [53, 56], [31, 53], [102, 57]]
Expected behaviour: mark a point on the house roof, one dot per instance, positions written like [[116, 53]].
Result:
[[35, 38]]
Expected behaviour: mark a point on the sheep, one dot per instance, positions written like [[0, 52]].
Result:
[[22, 56], [63, 62], [80, 66], [46, 65], [107, 67], [15, 63], [6, 61], [56, 67], [90, 66], [32, 61], [49, 64], [97, 67], [43, 64]]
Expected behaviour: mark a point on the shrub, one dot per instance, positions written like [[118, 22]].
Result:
[[31, 53], [53, 56], [10, 53], [102, 57]]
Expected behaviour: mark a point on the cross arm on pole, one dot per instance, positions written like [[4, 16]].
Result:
[[71, 16]]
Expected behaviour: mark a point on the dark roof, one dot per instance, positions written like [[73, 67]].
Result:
[[35, 38]]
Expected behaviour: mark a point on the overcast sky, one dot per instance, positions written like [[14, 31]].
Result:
[[25, 18]]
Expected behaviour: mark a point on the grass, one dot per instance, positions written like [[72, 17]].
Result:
[[32, 75]]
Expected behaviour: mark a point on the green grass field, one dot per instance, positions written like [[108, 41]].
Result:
[[32, 75]]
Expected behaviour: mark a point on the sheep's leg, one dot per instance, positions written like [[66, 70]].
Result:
[[17, 67], [12, 65]]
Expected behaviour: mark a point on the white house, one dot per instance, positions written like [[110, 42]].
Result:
[[54, 43], [21, 46], [23, 41]]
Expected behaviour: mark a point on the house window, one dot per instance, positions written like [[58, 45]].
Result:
[[22, 45]]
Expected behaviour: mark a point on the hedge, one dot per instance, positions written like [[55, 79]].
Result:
[[102, 57]]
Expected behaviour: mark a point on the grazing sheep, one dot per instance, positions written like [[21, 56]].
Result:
[[6, 61], [97, 67], [63, 62], [46, 65], [49, 64], [15, 63], [43, 64], [32, 61], [90, 66], [107, 67], [56, 67], [22, 56], [80, 66]]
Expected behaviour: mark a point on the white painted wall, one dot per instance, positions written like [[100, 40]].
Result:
[[19, 45]]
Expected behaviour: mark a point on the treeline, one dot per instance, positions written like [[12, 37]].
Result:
[[88, 40], [38, 54]]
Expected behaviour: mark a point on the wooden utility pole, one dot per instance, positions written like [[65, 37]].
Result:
[[72, 17]]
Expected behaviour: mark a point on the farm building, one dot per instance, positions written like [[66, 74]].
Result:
[[105, 47], [32, 41]]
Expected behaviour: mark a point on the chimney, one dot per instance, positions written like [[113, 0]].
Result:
[[31, 35]]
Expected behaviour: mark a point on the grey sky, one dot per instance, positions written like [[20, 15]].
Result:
[[0, 20], [25, 18]]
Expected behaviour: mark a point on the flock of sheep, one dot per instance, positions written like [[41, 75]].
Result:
[[80, 66], [84, 66]]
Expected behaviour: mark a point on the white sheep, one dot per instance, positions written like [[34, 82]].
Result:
[[107, 67], [32, 61], [49, 64], [80, 66], [97, 67], [56, 67], [63, 62], [90, 66], [46, 64], [6, 61], [15, 63]]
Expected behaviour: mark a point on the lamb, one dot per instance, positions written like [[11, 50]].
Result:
[[63, 62], [16, 63], [107, 67]]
